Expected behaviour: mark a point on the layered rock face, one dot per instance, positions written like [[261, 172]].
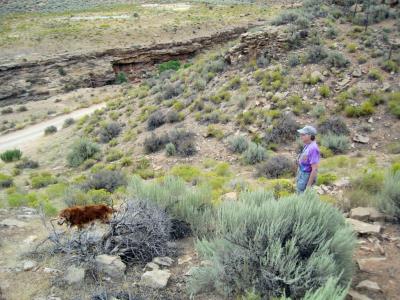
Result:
[[36, 80]]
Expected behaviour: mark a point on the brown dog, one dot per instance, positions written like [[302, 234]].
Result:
[[82, 215]]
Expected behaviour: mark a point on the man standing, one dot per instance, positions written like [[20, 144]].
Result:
[[308, 159]]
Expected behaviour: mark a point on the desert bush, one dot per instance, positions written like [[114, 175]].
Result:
[[254, 154], [394, 103], [173, 116], [22, 108], [186, 204], [324, 91], [365, 109], [333, 125], [183, 140], [273, 247], [68, 122], [390, 66], [113, 155], [326, 178], [286, 18], [390, 194], [11, 155], [156, 119], [375, 74], [109, 131], [337, 59], [315, 54], [27, 164], [170, 149], [331, 33], [106, 180], [277, 166], [7, 110], [214, 131], [140, 230], [169, 65], [369, 181], [50, 130], [394, 147], [5, 181], [43, 179], [284, 130], [154, 143], [336, 143], [81, 151], [238, 143], [293, 60], [172, 89], [121, 78]]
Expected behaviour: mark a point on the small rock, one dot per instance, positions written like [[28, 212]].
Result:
[[356, 73], [51, 271], [369, 264], [152, 266], [29, 265], [110, 265], [342, 182], [371, 120], [366, 213], [74, 275], [163, 261], [361, 139], [369, 285], [364, 228], [157, 279], [357, 296], [184, 259], [12, 223], [30, 239], [253, 129], [344, 81]]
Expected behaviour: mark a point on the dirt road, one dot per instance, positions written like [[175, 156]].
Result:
[[21, 138]]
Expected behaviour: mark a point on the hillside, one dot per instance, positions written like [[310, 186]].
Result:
[[194, 145]]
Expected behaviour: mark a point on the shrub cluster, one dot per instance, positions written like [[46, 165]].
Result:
[[50, 130], [336, 143], [254, 154], [183, 141], [105, 180], [390, 194], [81, 151], [109, 131], [333, 125], [284, 130], [156, 119], [276, 167], [11, 155], [290, 247], [43, 179], [238, 143]]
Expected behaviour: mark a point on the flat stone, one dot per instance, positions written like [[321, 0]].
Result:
[[354, 295], [29, 265], [74, 275], [366, 213], [163, 261], [364, 228], [369, 285], [369, 264], [362, 139], [157, 279], [110, 265], [12, 223]]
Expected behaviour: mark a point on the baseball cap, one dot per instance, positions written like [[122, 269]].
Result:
[[307, 130]]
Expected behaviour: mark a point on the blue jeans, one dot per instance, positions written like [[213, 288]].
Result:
[[302, 180]]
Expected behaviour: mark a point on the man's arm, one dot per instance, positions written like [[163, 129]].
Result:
[[313, 174]]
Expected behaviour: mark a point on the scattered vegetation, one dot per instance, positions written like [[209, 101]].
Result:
[[276, 166], [11, 155]]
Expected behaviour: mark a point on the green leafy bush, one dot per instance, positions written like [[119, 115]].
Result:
[[170, 149], [289, 247], [326, 178], [238, 143], [5, 181], [39, 180], [11, 155], [254, 154], [336, 143], [365, 109], [169, 65], [121, 78], [81, 151], [276, 167], [324, 91]]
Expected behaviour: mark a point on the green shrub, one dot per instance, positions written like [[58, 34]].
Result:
[[370, 181], [213, 131], [324, 91], [68, 122], [121, 78], [333, 125], [7, 110], [50, 130], [113, 155], [276, 166], [11, 155], [284, 130], [394, 103], [375, 74], [315, 54], [22, 108], [105, 180], [170, 149], [336, 143], [169, 65], [351, 47], [81, 151], [326, 178], [390, 195], [394, 147], [293, 60], [238, 143], [275, 248], [390, 66], [5, 181], [109, 131], [43, 179], [254, 154], [186, 172], [337, 59], [154, 143], [365, 109]]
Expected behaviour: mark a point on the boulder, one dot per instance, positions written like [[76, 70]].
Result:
[[157, 279], [366, 213], [369, 285], [369, 264], [362, 139], [354, 295], [163, 261], [29, 265], [364, 228], [74, 275], [110, 265]]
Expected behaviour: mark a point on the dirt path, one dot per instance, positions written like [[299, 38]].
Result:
[[21, 138]]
